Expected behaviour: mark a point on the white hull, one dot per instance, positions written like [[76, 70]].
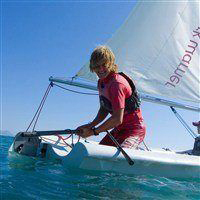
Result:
[[92, 156]]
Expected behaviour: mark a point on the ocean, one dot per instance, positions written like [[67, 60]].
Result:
[[41, 179]]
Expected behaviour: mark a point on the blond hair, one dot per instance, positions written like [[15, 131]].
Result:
[[103, 56]]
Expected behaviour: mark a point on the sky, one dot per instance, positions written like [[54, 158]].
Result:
[[40, 39]]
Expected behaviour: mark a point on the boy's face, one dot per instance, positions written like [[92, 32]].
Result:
[[101, 71]]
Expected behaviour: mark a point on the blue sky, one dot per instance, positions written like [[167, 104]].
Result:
[[42, 39]]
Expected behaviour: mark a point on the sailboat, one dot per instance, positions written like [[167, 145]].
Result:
[[158, 47]]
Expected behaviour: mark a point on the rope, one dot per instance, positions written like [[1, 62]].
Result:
[[183, 123], [40, 107], [63, 139], [74, 90], [146, 146]]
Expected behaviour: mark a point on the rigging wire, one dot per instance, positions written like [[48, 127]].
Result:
[[37, 114], [183, 122], [74, 90], [45, 97]]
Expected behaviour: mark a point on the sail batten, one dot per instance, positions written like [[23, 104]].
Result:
[[158, 47]]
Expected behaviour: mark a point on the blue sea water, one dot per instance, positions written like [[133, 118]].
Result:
[[40, 179]]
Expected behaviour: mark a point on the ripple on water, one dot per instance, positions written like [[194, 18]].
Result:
[[29, 178]]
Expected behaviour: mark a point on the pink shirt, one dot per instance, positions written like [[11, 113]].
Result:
[[116, 89]]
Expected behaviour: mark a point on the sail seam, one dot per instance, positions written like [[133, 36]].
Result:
[[165, 43]]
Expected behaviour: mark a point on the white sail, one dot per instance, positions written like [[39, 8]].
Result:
[[158, 46]]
